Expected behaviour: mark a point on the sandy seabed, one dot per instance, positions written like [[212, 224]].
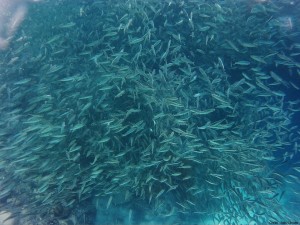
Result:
[[3, 216]]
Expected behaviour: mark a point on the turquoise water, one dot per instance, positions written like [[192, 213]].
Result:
[[150, 112]]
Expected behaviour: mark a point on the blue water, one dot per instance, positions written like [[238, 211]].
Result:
[[71, 33]]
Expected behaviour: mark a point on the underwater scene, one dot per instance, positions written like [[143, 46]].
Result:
[[153, 112]]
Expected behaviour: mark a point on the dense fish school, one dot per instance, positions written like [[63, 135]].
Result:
[[151, 112]]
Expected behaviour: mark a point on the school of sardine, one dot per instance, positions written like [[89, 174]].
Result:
[[134, 100]]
